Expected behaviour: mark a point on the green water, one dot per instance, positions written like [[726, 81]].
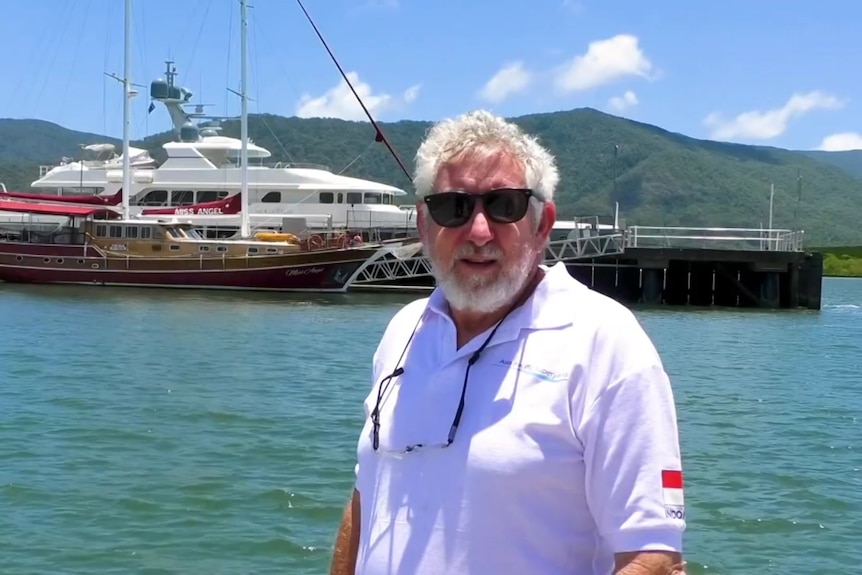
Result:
[[191, 432]]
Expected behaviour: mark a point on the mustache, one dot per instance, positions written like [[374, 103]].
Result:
[[469, 250]]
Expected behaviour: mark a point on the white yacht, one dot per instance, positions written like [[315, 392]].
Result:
[[202, 167]]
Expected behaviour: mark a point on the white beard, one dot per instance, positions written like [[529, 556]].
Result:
[[475, 293]]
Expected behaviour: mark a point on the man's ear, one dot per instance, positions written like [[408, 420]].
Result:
[[549, 218], [421, 222]]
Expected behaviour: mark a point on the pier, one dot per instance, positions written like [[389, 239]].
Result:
[[670, 266]]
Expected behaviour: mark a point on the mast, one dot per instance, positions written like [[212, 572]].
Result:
[[127, 101], [245, 230]]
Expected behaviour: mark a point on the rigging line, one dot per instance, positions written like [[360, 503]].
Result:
[[139, 37], [228, 66], [353, 161], [65, 91], [197, 41], [108, 28], [379, 136], [262, 117]]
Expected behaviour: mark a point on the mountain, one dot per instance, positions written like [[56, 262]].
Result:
[[662, 178], [33, 141], [850, 161]]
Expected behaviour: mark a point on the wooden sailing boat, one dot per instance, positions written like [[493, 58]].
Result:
[[97, 244]]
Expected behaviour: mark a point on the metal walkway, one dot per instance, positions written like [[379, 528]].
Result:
[[402, 265]]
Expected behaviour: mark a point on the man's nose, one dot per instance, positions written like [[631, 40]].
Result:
[[479, 232]]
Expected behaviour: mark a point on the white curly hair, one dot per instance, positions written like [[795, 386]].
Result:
[[481, 131]]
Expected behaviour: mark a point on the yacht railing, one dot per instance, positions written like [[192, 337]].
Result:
[[749, 239], [289, 165], [369, 219]]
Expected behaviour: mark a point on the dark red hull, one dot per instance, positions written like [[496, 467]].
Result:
[[56, 264]]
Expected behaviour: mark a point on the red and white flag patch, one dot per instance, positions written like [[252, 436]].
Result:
[[671, 485]]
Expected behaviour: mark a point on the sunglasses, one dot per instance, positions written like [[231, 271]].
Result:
[[454, 209]]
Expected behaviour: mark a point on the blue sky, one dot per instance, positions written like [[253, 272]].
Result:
[[772, 72]]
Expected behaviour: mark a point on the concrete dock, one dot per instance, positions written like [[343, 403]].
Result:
[[674, 266]]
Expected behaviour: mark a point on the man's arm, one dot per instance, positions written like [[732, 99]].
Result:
[[347, 540], [649, 563], [634, 476]]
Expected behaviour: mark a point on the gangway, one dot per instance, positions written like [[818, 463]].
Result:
[[404, 265]]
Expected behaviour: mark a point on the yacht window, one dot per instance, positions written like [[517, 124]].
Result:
[[182, 197], [252, 250], [372, 198], [146, 233], [175, 248], [101, 231], [210, 195], [115, 231], [204, 248], [154, 198], [354, 197], [387, 199], [271, 198], [132, 232], [326, 197]]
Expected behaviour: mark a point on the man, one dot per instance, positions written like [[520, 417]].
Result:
[[518, 421]]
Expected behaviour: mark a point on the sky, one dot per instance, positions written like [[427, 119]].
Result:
[[772, 72]]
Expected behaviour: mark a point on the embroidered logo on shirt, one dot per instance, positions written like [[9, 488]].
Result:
[[672, 493], [538, 372]]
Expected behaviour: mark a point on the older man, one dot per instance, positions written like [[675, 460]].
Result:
[[518, 421]]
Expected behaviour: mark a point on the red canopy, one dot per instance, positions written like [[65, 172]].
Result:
[[113, 200], [68, 210]]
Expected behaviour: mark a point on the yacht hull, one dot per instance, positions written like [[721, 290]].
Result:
[[320, 271]]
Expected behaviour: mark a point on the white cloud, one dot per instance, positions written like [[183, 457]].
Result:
[[411, 93], [339, 101], [605, 61], [381, 3], [624, 102], [510, 79], [760, 125], [573, 6], [841, 142]]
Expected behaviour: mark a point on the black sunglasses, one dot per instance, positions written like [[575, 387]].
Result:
[[454, 209]]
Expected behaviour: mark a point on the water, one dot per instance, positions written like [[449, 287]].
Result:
[[192, 432]]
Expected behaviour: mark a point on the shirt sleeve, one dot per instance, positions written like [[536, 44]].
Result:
[[633, 464]]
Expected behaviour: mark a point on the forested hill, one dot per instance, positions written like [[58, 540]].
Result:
[[662, 178]]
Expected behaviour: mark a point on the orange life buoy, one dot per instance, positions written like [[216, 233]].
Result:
[[315, 241]]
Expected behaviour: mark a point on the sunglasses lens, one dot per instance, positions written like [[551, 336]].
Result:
[[451, 210], [454, 209], [506, 206]]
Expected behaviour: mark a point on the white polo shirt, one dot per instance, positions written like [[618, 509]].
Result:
[[566, 453]]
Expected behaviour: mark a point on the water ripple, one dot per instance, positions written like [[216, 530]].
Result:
[[161, 433]]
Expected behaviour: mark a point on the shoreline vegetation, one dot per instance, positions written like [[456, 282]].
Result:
[[843, 261]]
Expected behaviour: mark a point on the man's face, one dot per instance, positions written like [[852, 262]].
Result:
[[483, 264]]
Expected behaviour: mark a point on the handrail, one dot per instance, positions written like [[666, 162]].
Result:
[[757, 239]]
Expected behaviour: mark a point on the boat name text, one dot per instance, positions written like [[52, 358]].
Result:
[[198, 211], [304, 271]]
